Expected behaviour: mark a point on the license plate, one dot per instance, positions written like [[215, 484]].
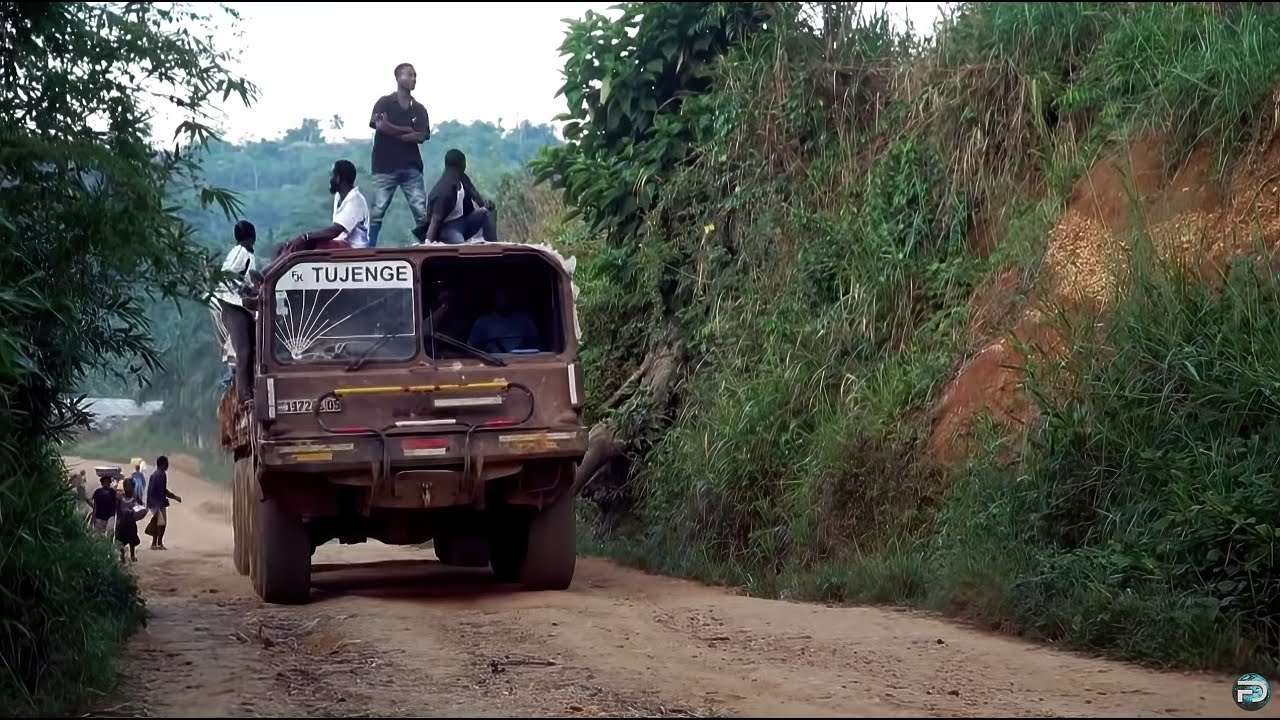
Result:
[[295, 407]]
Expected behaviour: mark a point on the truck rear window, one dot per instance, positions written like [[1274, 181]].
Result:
[[505, 306]]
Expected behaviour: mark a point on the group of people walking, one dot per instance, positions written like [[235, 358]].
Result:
[[127, 505]]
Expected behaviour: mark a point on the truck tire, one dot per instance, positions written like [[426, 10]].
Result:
[[252, 505], [283, 571], [239, 514], [551, 550]]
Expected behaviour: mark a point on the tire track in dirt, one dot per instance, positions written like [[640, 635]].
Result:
[[391, 632]]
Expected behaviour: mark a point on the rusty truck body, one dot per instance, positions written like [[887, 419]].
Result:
[[425, 393]]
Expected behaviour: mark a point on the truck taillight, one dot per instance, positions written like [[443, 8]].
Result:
[[264, 406]]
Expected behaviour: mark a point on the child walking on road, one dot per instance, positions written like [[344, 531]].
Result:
[[105, 505], [127, 523]]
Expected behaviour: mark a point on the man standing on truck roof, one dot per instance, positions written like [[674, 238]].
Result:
[[400, 125], [350, 227], [456, 208]]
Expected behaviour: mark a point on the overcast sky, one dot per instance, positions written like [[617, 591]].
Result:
[[475, 61]]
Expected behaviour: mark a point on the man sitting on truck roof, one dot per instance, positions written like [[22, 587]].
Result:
[[350, 227], [455, 209]]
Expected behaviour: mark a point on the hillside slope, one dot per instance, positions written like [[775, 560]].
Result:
[[875, 319]]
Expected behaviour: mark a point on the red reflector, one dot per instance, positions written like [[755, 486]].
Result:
[[424, 442], [499, 422], [350, 429]]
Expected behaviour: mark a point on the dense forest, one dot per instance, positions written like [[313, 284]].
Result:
[[984, 323]]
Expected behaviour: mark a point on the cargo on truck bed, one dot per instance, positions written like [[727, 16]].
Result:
[[410, 394]]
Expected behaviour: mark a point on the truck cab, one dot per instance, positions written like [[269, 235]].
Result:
[[427, 393]]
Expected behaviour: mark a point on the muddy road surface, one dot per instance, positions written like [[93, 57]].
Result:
[[391, 632]]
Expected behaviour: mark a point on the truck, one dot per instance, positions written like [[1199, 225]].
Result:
[[409, 394]]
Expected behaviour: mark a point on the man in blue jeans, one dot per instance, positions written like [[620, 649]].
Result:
[[401, 124], [456, 209]]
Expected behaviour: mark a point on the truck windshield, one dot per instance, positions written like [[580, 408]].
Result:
[[341, 311]]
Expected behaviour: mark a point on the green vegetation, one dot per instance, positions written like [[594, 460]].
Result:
[[784, 201], [88, 242], [1143, 519], [788, 217]]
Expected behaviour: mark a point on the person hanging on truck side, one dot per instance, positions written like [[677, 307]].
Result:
[[400, 124], [236, 318], [456, 208], [350, 226]]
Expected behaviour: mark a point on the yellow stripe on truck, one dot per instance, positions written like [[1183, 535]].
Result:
[[386, 389]]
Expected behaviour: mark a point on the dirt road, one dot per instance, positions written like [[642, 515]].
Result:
[[391, 632]]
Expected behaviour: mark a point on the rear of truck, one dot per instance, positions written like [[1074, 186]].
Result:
[[413, 394]]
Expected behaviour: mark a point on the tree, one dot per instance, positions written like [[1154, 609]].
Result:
[[88, 239], [308, 132], [87, 232], [627, 82]]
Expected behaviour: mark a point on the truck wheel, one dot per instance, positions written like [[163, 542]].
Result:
[[551, 553], [253, 508], [283, 556], [239, 506]]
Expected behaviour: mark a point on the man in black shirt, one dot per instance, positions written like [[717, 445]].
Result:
[[457, 211], [104, 505], [401, 124]]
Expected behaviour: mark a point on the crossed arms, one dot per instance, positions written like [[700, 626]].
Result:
[[378, 121]]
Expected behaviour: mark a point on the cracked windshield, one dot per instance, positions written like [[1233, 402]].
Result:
[[343, 311]]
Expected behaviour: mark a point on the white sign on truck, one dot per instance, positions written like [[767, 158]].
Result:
[[367, 275]]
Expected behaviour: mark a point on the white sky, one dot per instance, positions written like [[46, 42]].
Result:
[[321, 59]]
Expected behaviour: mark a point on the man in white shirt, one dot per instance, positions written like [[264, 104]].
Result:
[[237, 320], [350, 216]]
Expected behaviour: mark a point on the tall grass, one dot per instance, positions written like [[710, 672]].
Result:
[[828, 268], [66, 605], [1144, 513]]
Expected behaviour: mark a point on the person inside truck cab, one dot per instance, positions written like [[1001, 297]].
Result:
[[455, 209], [504, 329], [350, 226], [445, 318]]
